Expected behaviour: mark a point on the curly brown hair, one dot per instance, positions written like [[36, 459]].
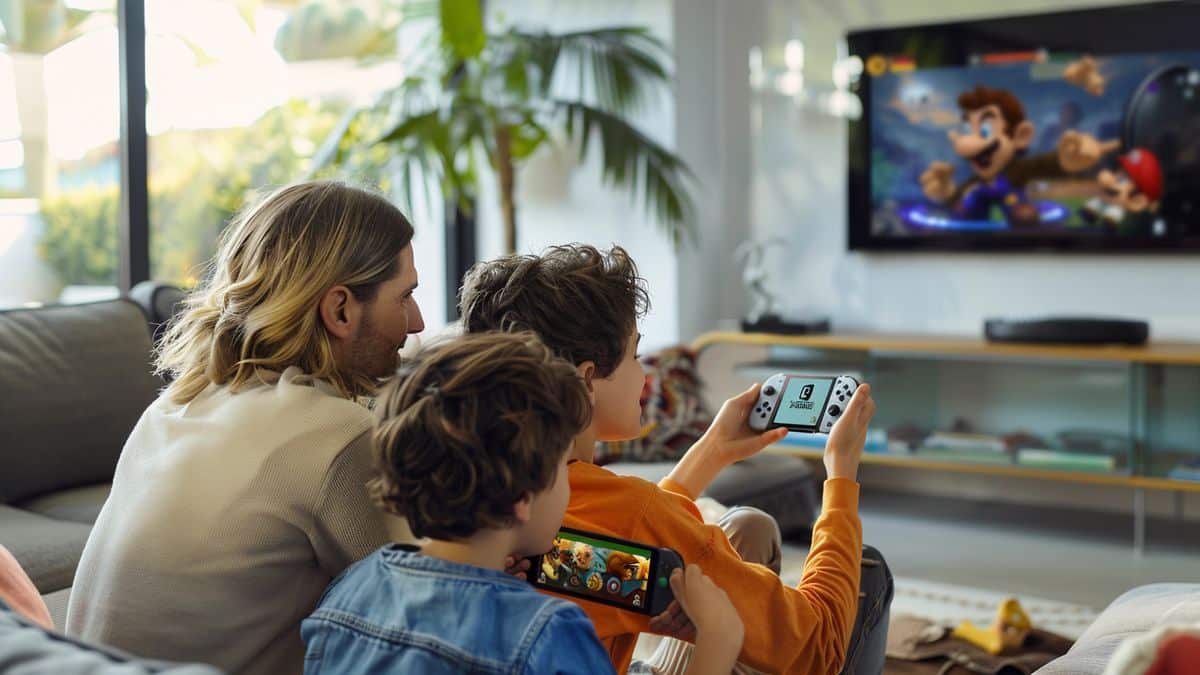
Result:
[[582, 302], [1009, 105], [469, 427]]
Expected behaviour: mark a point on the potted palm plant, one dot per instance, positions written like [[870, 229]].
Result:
[[498, 96]]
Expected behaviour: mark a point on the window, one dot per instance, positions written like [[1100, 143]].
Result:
[[59, 166]]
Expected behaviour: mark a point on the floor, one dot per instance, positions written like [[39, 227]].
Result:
[[1075, 557]]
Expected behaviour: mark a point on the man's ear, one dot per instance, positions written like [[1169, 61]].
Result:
[[523, 509], [1023, 135], [339, 312]]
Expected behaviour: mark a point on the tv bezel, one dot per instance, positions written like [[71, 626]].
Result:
[[1170, 22]]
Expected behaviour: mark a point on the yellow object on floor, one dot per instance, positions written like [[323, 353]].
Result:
[[1009, 629]]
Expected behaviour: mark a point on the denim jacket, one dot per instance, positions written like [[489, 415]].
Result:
[[397, 611]]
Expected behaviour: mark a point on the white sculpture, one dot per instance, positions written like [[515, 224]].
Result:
[[754, 275]]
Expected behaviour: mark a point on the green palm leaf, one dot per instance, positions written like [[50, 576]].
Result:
[[504, 95], [618, 67], [634, 160]]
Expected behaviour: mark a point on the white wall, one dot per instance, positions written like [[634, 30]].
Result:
[[799, 189], [559, 202], [786, 168]]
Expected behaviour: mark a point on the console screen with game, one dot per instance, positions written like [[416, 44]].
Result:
[[1026, 133], [606, 571]]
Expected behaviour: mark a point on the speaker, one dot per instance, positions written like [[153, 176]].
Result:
[[1068, 330]]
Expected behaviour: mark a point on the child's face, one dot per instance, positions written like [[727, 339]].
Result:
[[617, 411], [546, 513]]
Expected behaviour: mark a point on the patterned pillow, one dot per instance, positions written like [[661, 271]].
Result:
[[673, 411]]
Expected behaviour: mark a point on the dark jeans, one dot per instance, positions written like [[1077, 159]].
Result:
[[868, 641]]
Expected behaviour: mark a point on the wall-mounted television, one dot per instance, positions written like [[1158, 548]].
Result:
[[1070, 131]]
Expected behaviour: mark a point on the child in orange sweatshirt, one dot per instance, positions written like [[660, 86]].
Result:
[[584, 304]]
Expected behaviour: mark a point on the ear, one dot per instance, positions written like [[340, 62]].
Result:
[[587, 370], [339, 312], [1139, 202], [1023, 135], [523, 509]]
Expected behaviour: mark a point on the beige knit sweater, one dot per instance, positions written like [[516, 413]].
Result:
[[228, 518]]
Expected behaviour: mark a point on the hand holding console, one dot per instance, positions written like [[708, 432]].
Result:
[[809, 404], [841, 407], [605, 569]]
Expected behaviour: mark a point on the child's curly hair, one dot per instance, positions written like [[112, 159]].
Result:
[[471, 426], [582, 302]]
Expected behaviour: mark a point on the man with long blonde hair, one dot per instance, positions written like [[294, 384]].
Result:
[[240, 493]]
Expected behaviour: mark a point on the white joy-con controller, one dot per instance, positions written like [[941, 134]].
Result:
[[771, 396]]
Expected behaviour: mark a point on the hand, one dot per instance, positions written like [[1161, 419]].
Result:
[[674, 622], [730, 434], [937, 182], [1078, 151], [844, 449], [1085, 74], [516, 567], [708, 606]]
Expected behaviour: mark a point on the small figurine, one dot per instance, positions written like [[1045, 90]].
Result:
[[754, 276], [1008, 631]]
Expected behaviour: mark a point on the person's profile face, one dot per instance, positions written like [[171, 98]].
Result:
[[388, 319], [617, 411]]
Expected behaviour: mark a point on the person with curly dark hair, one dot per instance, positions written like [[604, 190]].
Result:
[[584, 303], [471, 446]]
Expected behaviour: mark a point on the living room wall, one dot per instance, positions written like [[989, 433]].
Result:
[[799, 187], [781, 171], [559, 201]]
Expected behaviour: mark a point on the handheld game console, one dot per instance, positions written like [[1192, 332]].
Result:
[[805, 403]]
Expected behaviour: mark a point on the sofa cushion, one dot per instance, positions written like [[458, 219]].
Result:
[[781, 485], [77, 505], [75, 380], [1133, 614], [47, 549]]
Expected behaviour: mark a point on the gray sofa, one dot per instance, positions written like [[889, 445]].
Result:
[[74, 379]]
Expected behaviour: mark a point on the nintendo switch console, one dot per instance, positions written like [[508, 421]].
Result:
[[608, 570], [806, 403]]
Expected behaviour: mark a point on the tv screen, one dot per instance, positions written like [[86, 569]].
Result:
[[1067, 131]]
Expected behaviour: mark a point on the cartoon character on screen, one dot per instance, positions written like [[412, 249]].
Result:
[[565, 556], [627, 573], [551, 562], [595, 574], [1128, 195], [993, 140], [582, 557]]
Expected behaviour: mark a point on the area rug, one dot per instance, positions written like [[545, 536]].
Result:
[[951, 604]]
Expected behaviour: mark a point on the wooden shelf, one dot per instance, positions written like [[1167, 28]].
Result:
[[1162, 353], [1147, 363], [1098, 478]]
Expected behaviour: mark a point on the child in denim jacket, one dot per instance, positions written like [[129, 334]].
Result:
[[471, 446]]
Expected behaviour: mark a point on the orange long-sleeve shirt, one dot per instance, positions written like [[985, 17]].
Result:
[[788, 630]]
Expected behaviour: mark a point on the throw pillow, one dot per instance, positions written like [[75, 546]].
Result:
[[673, 411]]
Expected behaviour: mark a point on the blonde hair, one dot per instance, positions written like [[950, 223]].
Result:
[[275, 261]]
